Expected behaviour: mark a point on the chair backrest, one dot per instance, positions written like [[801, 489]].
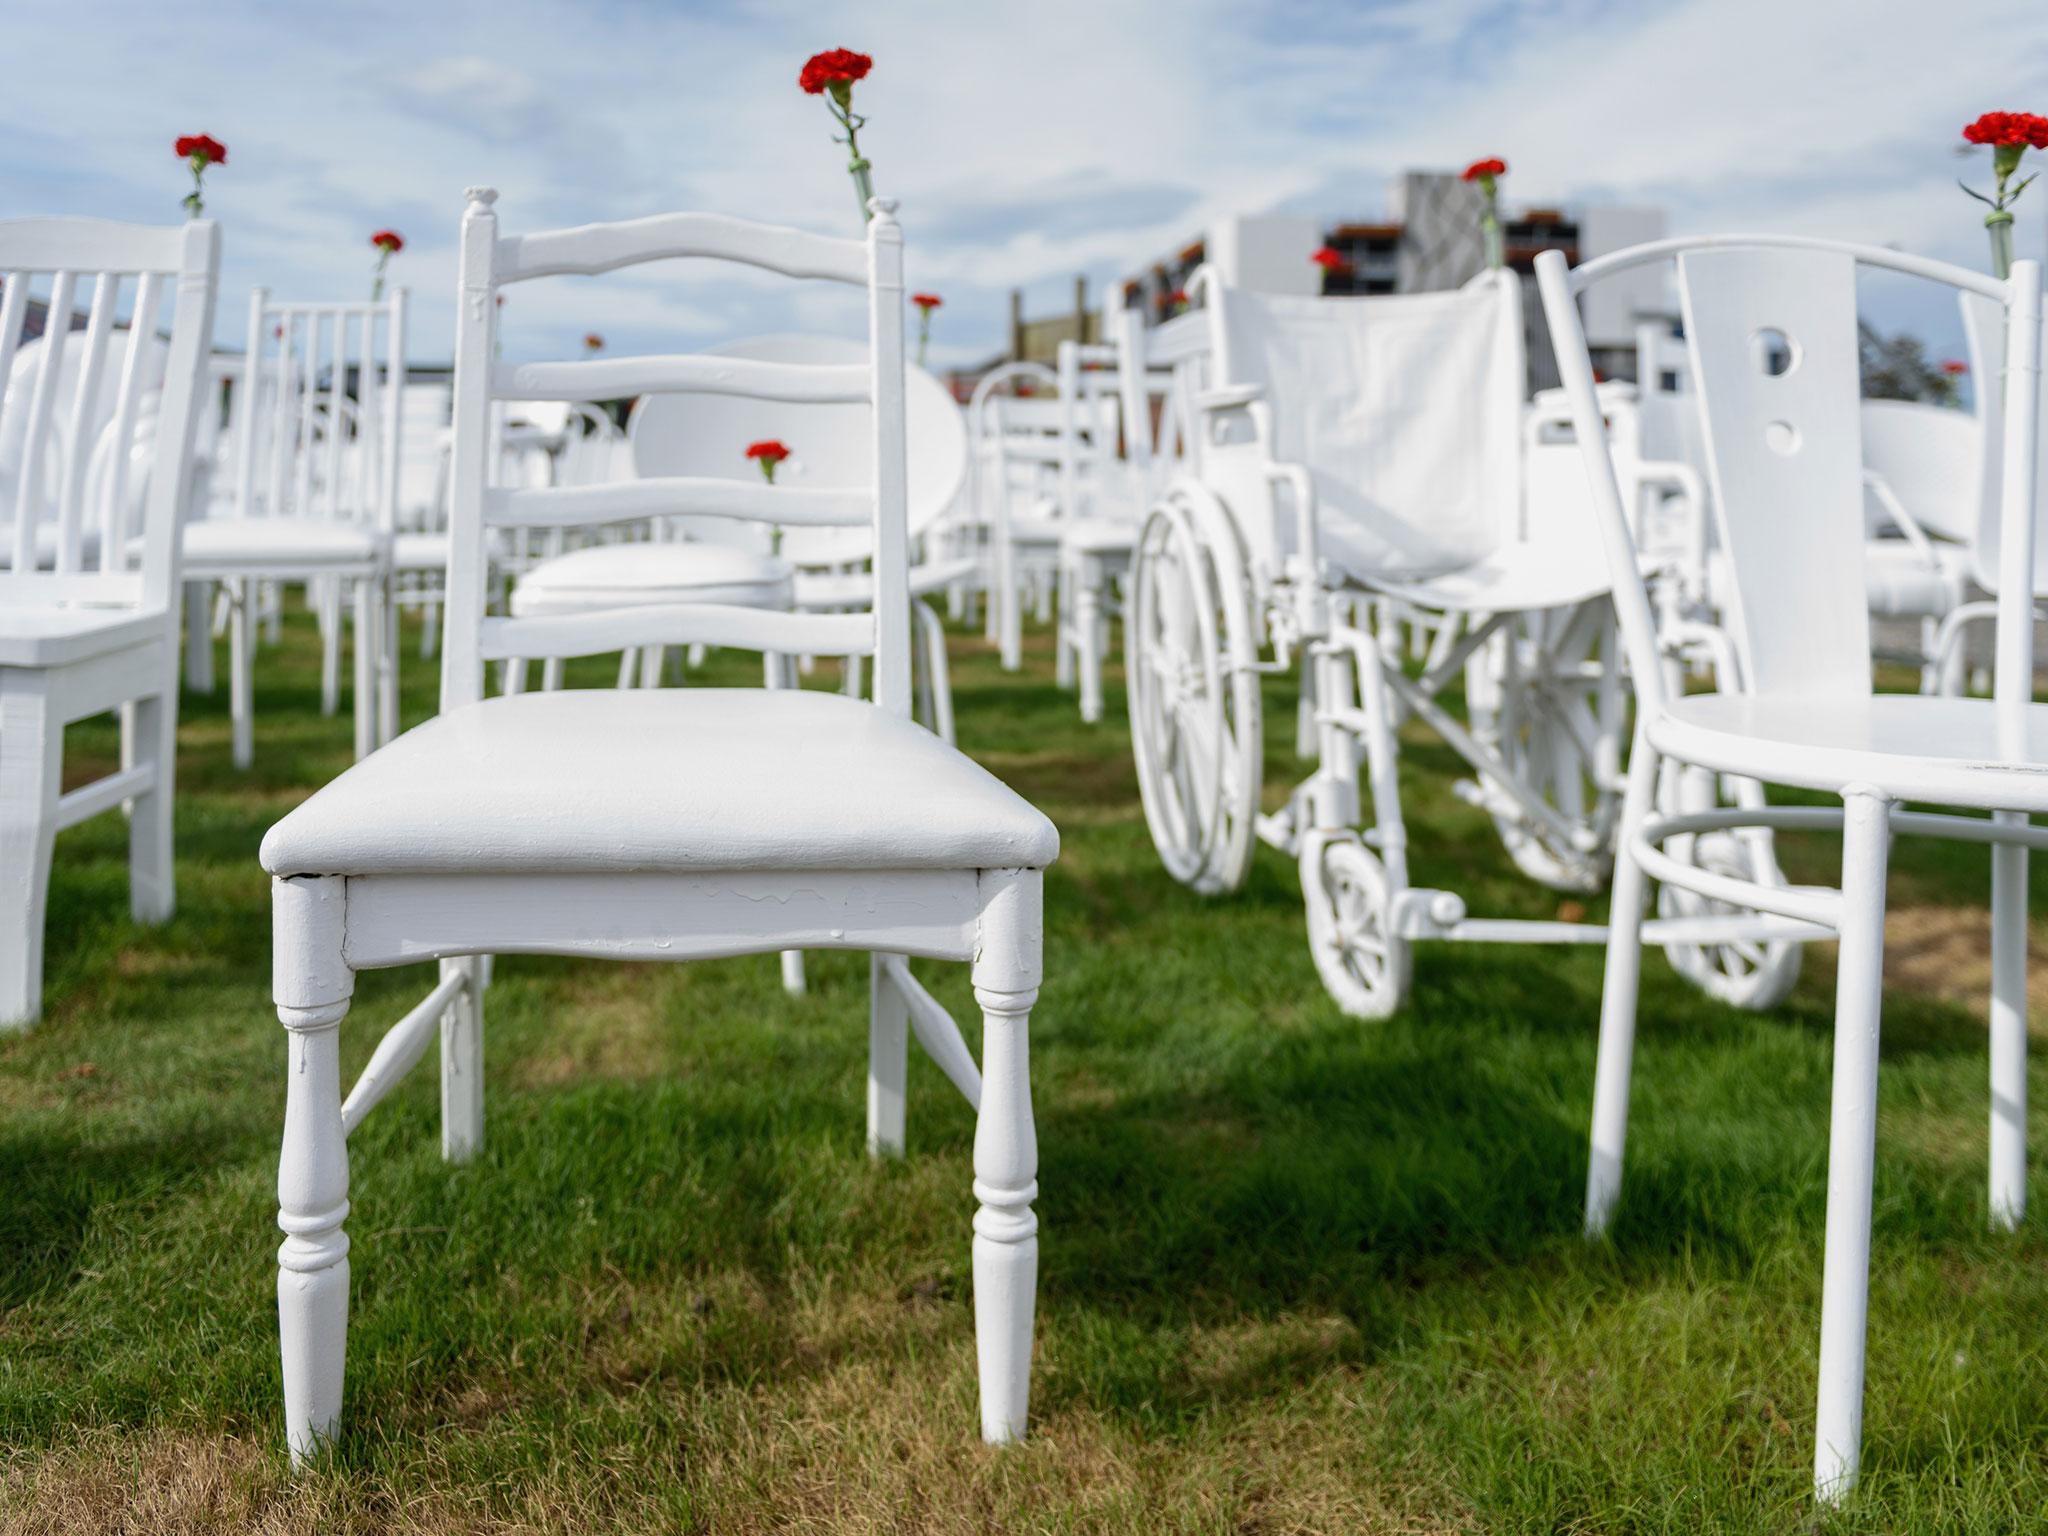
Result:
[[1987, 343], [1771, 332], [322, 410], [831, 444], [1406, 411], [1014, 420], [1931, 458], [145, 426], [490, 262]]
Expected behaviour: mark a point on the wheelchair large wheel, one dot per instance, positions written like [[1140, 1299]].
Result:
[[1364, 964], [1194, 695], [1543, 721], [1747, 973]]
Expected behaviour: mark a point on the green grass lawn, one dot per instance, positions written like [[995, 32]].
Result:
[[1297, 1272]]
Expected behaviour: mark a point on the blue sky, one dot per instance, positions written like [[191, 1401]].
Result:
[[1026, 142]]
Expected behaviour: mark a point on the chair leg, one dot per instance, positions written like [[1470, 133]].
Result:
[[387, 662], [368, 628], [198, 636], [2008, 1031], [1088, 638], [888, 1062], [313, 986], [149, 735], [938, 671], [430, 630], [1006, 976], [462, 1063], [653, 662], [551, 675], [1852, 1145], [241, 667], [1616, 1059], [628, 660], [793, 981], [1063, 636], [31, 773], [327, 603]]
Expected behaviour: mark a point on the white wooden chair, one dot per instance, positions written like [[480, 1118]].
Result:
[[1771, 331], [84, 637], [1016, 421], [316, 495], [671, 824]]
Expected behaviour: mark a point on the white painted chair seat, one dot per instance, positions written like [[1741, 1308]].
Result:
[[49, 637], [672, 780], [1515, 577], [1099, 536], [609, 575], [856, 589], [419, 552], [1041, 526], [260, 543], [1936, 749]]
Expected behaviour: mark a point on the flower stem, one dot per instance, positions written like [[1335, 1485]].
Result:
[[857, 163], [924, 333]]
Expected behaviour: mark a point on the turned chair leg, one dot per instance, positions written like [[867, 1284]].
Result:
[[312, 986], [368, 628], [2008, 1030], [199, 636], [31, 774], [1006, 976], [1852, 1145], [149, 735], [1088, 639], [1616, 1058], [241, 665], [888, 1062], [462, 1062], [327, 604]]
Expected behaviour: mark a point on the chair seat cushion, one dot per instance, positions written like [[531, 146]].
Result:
[[618, 575], [824, 590], [596, 780], [1099, 536], [265, 543], [1905, 583], [1942, 750]]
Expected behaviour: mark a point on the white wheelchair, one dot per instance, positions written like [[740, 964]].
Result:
[[1353, 467]]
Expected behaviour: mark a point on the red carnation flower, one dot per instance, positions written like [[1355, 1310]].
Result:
[[835, 70], [593, 342], [203, 146], [1480, 169], [768, 453], [199, 150], [1955, 367], [1329, 259], [2009, 130], [926, 301], [1177, 299], [388, 240]]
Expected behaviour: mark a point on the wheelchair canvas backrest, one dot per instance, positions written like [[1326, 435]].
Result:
[[1984, 327], [831, 445], [1406, 411], [1930, 458]]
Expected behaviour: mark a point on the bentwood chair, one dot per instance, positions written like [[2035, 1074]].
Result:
[[1771, 334], [659, 824], [86, 636], [318, 440]]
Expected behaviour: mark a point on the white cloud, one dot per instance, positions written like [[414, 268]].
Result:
[[1031, 141]]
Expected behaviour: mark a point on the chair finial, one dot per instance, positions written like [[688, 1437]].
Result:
[[484, 196], [883, 208]]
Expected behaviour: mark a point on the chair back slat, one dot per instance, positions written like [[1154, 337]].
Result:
[[79, 428], [569, 506], [321, 410], [620, 378], [68, 443], [135, 364], [1772, 340], [482, 385], [537, 636]]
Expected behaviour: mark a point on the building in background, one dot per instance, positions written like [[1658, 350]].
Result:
[[1429, 241]]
